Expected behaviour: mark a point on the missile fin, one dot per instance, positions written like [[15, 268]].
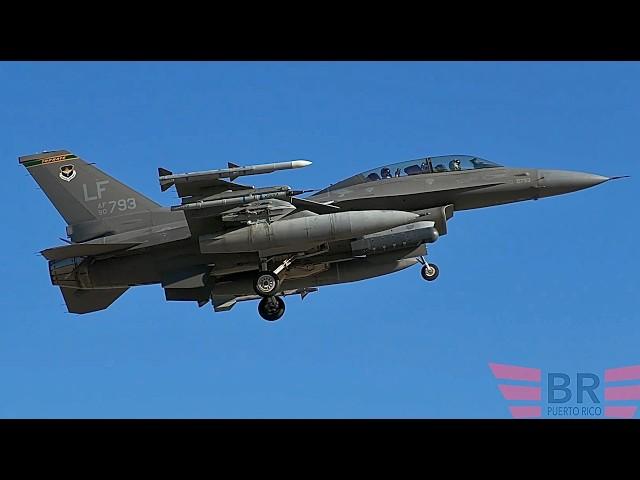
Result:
[[165, 184]]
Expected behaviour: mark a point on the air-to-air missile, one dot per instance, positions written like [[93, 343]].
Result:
[[168, 178], [240, 197]]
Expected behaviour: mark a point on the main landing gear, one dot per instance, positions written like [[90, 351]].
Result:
[[267, 281], [266, 284], [429, 271], [271, 308]]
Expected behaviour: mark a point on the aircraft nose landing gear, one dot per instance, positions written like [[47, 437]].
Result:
[[429, 271], [271, 308]]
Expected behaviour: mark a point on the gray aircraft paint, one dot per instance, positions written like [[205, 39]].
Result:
[[88, 193], [353, 230], [304, 233]]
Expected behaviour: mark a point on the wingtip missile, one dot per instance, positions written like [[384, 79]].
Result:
[[167, 178]]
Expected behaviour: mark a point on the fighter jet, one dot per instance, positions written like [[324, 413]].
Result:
[[227, 242]]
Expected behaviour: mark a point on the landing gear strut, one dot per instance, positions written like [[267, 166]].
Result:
[[271, 308], [429, 271], [266, 284], [267, 281]]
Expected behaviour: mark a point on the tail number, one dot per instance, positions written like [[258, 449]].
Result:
[[121, 205]]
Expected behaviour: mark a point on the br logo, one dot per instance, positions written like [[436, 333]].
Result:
[[613, 394]]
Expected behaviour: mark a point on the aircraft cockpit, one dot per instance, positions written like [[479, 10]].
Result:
[[446, 163], [427, 165]]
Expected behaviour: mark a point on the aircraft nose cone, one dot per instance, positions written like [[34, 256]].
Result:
[[557, 182]]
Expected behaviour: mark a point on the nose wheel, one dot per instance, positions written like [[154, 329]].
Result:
[[429, 271], [271, 308]]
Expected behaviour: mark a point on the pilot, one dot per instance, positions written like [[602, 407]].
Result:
[[454, 165], [478, 163], [385, 173], [397, 174]]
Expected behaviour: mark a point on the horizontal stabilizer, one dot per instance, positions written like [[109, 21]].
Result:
[[84, 250], [85, 301]]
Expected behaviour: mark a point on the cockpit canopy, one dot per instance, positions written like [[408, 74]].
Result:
[[427, 165]]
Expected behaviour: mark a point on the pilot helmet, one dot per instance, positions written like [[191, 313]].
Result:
[[385, 172]]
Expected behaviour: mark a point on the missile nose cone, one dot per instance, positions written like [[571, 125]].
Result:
[[557, 182], [300, 163]]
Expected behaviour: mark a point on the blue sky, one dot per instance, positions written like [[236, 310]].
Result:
[[549, 284]]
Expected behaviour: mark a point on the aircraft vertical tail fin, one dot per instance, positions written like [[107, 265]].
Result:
[[80, 191]]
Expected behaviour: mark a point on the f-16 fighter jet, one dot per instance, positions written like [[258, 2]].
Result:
[[227, 242]]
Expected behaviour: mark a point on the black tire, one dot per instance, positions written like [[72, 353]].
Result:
[[266, 283], [430, 276], [271, 308]]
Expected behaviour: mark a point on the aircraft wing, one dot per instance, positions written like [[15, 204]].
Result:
[[271, 209], [208, 202], [209, 218]]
